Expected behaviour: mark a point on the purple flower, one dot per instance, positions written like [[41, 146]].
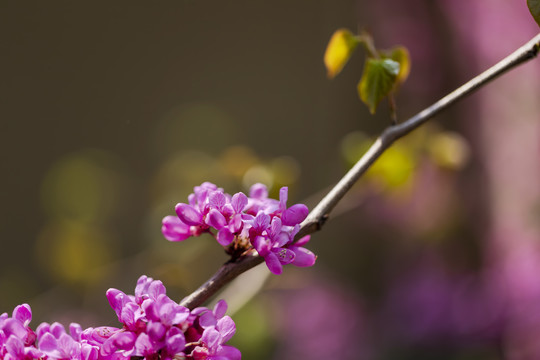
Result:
[[164, 310], [15, 349], [217, 329], [17, 339], [153, 326], [241, 223], [303, 257], [189, 215], [294, 215], [174, 229], [212, 347], [55, 343]]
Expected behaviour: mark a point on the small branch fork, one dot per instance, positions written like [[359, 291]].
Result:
[[318, 216]]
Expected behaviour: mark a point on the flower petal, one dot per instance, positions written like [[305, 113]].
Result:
[[156, 289], [57, 329], [275, 227], [211, 338], [294, 215], [216, 219], [224, 237], [220, 309], [236, 224], [217, 199], [75, 330], [156, 331], [283, 195], [273, 263], [15, 347], [175, 343], [174, 229], [229, 352], [262, 245], [239, 202], [89, 352], [207, 320], [23, 313], [143, 346], [226, 328], [14, 327], [303, 241], [258, 191], [282, 239], [304, 257], [261, 222], [49, 345], [188, 214]]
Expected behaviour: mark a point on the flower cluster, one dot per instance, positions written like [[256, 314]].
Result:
[[154, 327], [242, 223]]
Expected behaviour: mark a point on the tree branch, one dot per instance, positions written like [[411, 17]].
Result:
[[318, 216]]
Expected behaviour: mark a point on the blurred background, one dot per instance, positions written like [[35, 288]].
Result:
[[111, 112]]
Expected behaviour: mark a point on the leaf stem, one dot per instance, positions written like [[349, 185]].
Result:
[[366, 40], [318, 216], [392, 105]]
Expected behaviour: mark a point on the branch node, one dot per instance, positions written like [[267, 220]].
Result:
[[322, 221]]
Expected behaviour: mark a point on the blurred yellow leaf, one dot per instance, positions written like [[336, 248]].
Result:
[[236, 160], [339, 50], [449, 150], [83, 185], [258, 174], [73, 251], [394, 170], [286, 170], [395, 167]]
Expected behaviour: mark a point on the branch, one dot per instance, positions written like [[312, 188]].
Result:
[[318, 216]]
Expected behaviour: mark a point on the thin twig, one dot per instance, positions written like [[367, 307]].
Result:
[[321, 212]]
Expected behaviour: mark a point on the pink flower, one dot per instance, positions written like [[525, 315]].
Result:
[[240, 223]]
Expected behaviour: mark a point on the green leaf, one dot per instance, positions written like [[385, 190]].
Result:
[[534, 8], [378, 80], [339, 50], [400, 54]]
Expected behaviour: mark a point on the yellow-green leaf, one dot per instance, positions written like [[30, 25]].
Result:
[[534, 8], [449, 150], [400, 54], [395, 168], [378, 80], [339, 50]]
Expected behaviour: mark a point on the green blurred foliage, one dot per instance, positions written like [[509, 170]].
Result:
[[383, 70], [395, 169], [534, 8], [378, 80], [401, 55]]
